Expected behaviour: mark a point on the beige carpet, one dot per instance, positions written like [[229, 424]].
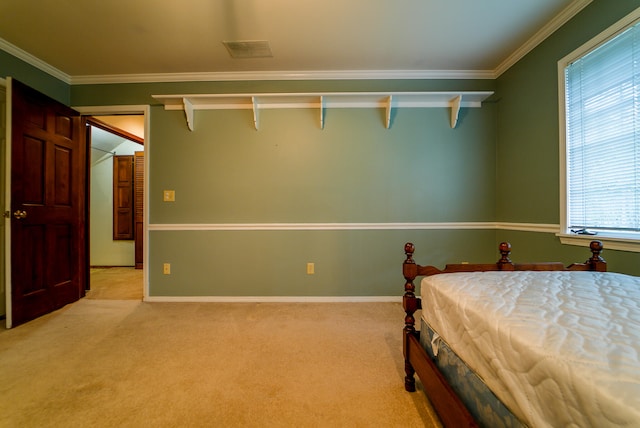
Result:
[[115, 283], [126, 363]]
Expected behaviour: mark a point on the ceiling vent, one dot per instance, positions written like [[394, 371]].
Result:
[[249, 49]]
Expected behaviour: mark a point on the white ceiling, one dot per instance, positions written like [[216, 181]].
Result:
[[91, 41], [104, 145]]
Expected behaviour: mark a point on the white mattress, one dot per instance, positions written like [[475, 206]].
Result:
[[558, 348]]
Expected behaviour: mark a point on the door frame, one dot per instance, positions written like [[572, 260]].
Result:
[[7, 203], [135, 110], [5, 148], [94, 122]]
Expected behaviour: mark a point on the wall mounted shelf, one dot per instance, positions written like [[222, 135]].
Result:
[[321, 101]]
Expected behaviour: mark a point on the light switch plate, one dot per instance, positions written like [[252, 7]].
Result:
[[168, 195]]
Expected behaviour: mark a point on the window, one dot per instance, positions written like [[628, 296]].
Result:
[[600, 136]]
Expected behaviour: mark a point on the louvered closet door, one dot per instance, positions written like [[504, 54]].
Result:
[[123, 197], [138, 191]]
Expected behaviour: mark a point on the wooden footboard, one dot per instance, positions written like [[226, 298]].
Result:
[[447, 404], [450, 409]]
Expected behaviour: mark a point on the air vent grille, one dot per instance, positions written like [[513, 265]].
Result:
[[249, 49]]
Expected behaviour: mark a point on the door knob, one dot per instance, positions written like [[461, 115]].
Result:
[[20, 214]]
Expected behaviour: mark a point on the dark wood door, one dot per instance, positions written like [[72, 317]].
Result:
[[48, 205], [123, 197]]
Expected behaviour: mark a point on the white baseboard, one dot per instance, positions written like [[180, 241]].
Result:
[[274, 299], [527, 227]]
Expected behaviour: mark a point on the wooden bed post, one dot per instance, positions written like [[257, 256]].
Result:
[[410, 304], [596, 263], [450, 409], [505, 262]]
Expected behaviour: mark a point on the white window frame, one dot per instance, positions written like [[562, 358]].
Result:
[[612, 240]]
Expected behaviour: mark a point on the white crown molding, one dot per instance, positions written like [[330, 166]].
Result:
[[243, 75], [283, 75], [34, 61], [567, 13]]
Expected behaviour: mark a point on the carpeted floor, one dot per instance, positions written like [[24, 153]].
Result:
[[115, 283], [127, 363]]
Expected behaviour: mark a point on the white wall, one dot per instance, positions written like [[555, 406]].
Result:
[[104, 251]]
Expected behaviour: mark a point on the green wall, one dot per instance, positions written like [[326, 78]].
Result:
[[529, 246], [352, 171], [273, 263], [141, 93], [528, 121], [11, 66], [499, 164], [528, 171], [291, 171]]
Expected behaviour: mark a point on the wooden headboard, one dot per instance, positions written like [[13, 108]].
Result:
[[411, 270]]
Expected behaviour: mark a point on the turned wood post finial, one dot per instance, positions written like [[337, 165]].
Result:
[[505, 250], [409, 269], [409, 248], [596, 248]]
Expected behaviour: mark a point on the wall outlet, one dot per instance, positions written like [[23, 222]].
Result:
[[311, 268], [166, 268]]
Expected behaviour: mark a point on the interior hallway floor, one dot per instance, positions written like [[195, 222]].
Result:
[[115, 283]]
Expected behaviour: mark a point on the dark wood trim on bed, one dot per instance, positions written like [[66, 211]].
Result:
[[449, 407]]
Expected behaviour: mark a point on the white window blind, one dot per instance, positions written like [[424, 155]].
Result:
[[603, 136]]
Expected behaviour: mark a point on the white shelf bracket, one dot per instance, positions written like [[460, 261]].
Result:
[[388, 106], [455, 110], [254, 100], [188, 112], [453, 100]]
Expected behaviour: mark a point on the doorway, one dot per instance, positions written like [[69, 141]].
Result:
[[113, 275], [5, 269], [116, 200]]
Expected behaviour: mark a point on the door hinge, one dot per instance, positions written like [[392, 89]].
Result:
[[7, 214]]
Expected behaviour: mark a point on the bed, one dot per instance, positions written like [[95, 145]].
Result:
[[536, 344]]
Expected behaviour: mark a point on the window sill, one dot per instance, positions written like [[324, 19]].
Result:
[[610, 243]]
